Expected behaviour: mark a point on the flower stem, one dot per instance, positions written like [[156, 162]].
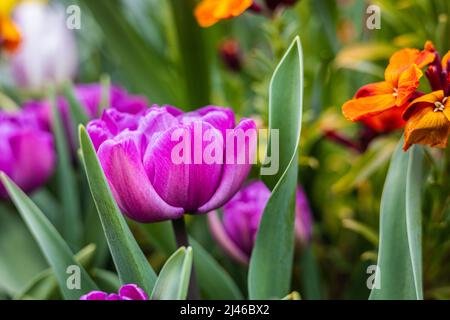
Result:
[[182, 239]]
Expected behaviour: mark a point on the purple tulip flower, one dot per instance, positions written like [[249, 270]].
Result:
[[126, 292], [27, 154], [148, 183], [236, 231]]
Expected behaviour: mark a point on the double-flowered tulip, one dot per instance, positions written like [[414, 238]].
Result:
[[26, 151], [237, 229], [163, 163], [126, 292]]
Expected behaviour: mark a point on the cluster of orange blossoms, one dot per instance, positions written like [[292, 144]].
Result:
[[396, 102], [9, 34]]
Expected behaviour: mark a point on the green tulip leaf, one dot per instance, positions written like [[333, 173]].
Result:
[[399, 273], [173, 280], [131, 263], [54, 248], [272, 257]]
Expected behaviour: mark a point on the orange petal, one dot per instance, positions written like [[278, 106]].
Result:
[[447, 109], [408, 84], [403, 59], [359, 108], [9, 34], [424, 101], [209, 12], [374, 89], [386, 121], [427, 127]]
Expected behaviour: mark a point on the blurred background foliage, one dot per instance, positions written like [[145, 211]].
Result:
[[155, 48]]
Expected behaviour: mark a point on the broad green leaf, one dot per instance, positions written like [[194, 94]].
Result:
[[173, 280], [193, 58], [71, 227], [132, 266], [45, 286], [20, 258], [400, 249], [272, 257], [56, 251], [214, 282]]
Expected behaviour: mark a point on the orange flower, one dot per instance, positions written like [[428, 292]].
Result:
[[9, 34], [209, 12], [428, 121], [402, 76]]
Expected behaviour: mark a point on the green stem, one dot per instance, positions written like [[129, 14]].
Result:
[[181, 237]]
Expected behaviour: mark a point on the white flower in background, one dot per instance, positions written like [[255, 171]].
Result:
[[48, 53]]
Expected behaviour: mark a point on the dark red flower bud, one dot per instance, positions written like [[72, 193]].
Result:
[[230, 54], [274, 4]]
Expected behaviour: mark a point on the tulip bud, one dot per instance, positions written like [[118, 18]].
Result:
[[164, 163], [236, 231], [27, 154]]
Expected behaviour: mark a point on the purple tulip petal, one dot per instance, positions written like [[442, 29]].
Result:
[[219, 233], [155, 122], [181, 184], [34, 159], [132, 292], [95, 295], [220, 118], [122, 164], [233, 175]]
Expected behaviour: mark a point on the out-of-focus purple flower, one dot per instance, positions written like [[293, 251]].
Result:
[[139, 156], [48, 52], [236, 231], [26, 151], [126, 292], [90, 96]]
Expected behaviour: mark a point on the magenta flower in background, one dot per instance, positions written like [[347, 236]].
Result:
[[90, 96], [126, 292], [149, 185], [26, 151], [236, 231], [48, 52]]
